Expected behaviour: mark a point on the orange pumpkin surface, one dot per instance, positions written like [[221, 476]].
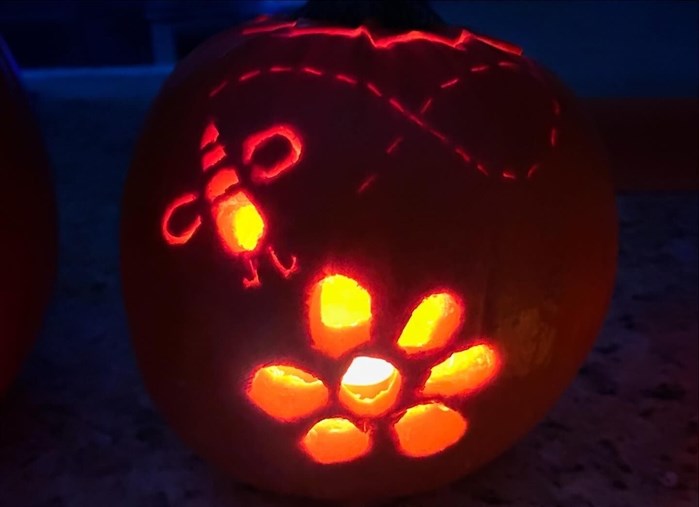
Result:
[[28, 228], [361, 263]]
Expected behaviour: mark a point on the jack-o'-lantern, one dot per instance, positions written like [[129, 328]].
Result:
[[27, 224], [360, 263]]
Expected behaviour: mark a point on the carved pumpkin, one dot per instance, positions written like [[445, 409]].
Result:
[[360, 263], [27, 224]]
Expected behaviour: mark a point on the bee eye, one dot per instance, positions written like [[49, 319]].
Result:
[[272, 152]]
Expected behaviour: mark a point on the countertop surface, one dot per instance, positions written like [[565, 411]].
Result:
[[77, 429]]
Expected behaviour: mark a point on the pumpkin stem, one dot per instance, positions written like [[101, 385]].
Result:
[[400, 15]]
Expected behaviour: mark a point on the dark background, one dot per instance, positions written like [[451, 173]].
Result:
[[601, 48]]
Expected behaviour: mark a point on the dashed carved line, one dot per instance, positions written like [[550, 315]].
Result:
[[449, 83], [532, 170], [417, 119], [374, 89], [312, 71], [367, 183], [397, 105], [346, 79], [249, 75], [555, 108], [507, 65], [465, 156], [218, 88], [392, 147], [438, 135]]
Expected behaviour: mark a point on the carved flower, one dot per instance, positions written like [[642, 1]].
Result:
[[372, 390]]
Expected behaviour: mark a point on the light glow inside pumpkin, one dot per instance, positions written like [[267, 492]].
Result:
[[339, 315], [287, 393], [343, 302], [427, 429], [432, 323], [239, 223], [463, 372], [335, 440], [220, 182], [370, 386]]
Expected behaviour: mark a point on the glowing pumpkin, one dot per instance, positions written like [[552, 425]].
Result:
[[27, 224], [361, 263]]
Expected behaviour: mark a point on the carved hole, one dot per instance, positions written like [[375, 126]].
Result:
[[287, 393]]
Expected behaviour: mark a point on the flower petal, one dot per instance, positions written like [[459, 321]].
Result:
[[427, 429], [432, 323], [335, 440], [339, 315], [463, 372], [286, 393]]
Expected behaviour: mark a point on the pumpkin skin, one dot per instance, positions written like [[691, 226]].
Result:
[[27, 224], [413, 164]]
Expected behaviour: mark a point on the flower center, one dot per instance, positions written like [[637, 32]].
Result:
[[370, 386]]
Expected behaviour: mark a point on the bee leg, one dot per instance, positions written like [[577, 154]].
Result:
[[253, 280], [285, 271]]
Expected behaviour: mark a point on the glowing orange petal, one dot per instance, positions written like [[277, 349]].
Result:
[[286, 393], [239, 223], [370, 386], [339, 315], [427, 429], [432, 323], [335, 440], [463, 372]]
